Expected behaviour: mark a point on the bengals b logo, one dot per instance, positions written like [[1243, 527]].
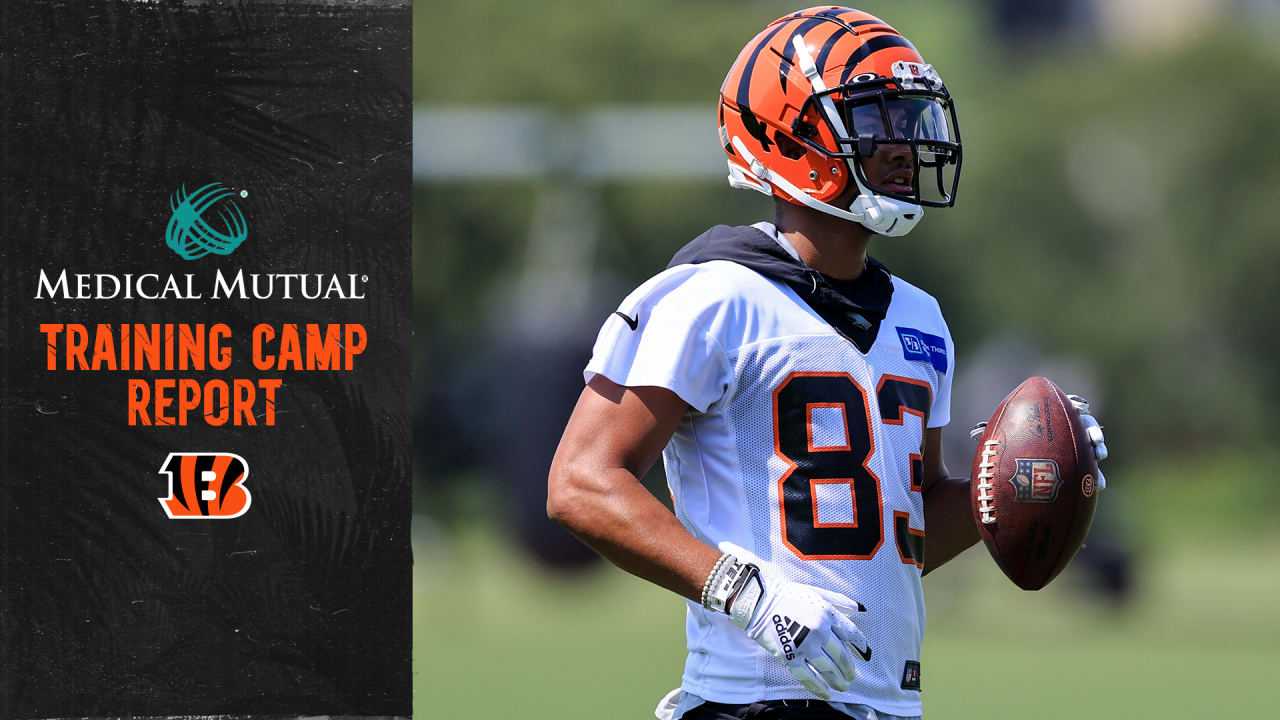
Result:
[[205, 486]]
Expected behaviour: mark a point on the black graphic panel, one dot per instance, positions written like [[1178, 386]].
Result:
[[204, 258]]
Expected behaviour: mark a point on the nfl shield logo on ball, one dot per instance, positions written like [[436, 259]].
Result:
[[1036, 481]]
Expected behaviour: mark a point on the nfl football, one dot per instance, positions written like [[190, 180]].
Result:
[[1034, 483]]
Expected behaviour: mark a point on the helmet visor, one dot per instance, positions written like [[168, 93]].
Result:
[[904, 117], [903, 144]]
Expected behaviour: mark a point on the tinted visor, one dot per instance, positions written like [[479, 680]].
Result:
[[908, 118], [892, 130]]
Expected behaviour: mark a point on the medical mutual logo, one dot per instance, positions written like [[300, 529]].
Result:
[[206, 221]]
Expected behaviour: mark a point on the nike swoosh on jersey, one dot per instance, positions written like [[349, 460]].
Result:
[[632, 323]]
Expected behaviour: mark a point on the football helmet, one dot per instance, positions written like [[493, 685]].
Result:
[[822, 90]]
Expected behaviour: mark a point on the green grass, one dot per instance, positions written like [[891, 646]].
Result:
[[1202, 640], [495, 637], [537, 646]]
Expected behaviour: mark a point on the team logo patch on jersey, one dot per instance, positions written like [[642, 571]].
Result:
[[205, 486], [922, 346], [1036, 481], [911, 675]]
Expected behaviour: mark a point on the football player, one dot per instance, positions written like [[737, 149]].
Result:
[[796, 390]]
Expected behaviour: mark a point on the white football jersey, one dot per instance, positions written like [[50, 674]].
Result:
[[799, 448]]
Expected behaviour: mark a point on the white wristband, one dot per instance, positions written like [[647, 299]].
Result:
[[733, 588], [716, 591]]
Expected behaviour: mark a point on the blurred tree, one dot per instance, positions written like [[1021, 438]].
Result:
[[1023, 24]]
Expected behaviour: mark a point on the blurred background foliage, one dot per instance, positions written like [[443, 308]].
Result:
[[1115, 228]]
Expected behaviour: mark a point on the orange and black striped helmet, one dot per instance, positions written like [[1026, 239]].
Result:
[[820, 90]]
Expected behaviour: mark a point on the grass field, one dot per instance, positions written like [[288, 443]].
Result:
[[495, 637]]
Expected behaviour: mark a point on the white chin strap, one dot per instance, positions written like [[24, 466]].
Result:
[[877, 213]]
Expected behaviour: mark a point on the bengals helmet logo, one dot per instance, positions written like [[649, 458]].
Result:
[[205, 486]]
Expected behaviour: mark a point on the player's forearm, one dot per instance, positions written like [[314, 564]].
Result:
[[948, 519], [613, 513]]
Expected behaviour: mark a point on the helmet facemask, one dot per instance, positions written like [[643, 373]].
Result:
[[912, 108], [881, 112]]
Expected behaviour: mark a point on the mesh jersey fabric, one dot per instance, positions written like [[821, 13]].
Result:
[[791, 436]]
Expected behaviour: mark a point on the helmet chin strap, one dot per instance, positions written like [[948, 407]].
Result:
[[767, 177], [884, 215], [877, 213]]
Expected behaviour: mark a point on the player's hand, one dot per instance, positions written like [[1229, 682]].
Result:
[[1094, 431], [807, 628]]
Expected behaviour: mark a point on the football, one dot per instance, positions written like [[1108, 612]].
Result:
[[1034, 483]]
